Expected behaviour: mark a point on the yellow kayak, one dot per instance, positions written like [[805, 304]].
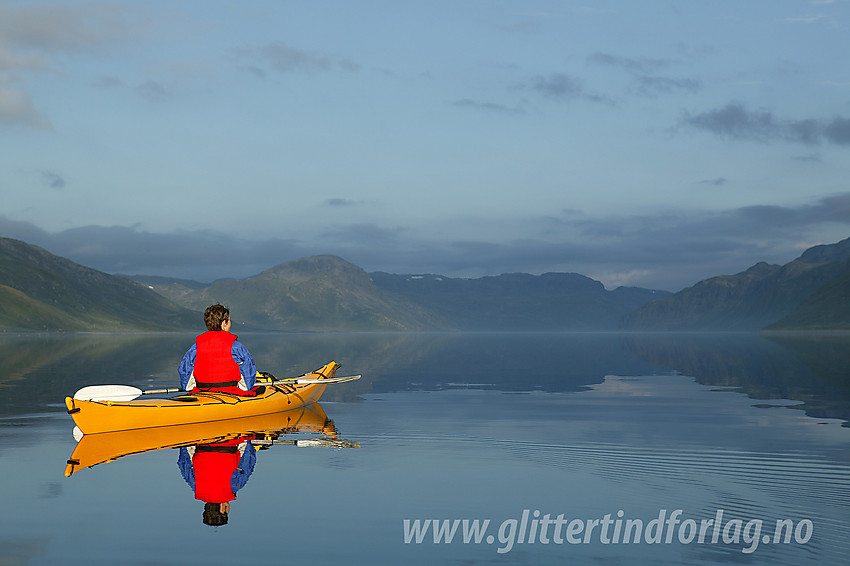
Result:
[[93, 417], [93, 449]]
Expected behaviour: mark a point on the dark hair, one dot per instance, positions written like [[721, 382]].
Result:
[[215, 315], [213, 515]]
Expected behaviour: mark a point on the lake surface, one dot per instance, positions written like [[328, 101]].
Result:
[[519, 448]]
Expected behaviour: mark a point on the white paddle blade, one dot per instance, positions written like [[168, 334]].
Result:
[[331, 380], [107, 393]]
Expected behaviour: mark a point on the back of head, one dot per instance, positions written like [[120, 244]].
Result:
[[213, 515], [215, 315]]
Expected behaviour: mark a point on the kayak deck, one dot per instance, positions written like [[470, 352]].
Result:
[[94, 417]]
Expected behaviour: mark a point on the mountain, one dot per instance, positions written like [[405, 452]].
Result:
[[808, 293], [828, 308], [41, 291], [519, 301], [320, 293]]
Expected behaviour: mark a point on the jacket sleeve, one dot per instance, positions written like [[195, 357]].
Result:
[[184, 462], [246, 468], [187, 365], [245, 360]]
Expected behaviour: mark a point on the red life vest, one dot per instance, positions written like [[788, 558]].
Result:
[[214, 365], [214, 465], [215, 369]]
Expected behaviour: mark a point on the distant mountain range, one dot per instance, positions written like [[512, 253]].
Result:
[[328, 293], [519, 301], [44, 292], [808, 293]]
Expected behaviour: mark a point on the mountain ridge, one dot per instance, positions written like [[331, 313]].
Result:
[[43, 292], [318, 293], [518, 301], [760, 297]]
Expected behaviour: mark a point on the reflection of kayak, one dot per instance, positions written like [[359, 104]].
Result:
[[109, 416], [95, 449]]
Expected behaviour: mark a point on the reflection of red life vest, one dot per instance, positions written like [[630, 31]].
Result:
[[214, 466], [214, 365]]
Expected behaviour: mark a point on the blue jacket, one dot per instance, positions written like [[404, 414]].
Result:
[[240, 475], [241, 356]]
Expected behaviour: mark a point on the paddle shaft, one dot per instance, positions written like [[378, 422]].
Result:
[[305, 380], [122, 393], [322, 442], [155, 391]]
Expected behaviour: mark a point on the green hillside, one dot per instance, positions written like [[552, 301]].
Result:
[[828, 308], [41, 291], [321, 293], [809, 287]]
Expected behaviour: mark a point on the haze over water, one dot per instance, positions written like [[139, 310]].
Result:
[[509, 428]]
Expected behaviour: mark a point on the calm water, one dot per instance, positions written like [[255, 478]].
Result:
[[555, 439]]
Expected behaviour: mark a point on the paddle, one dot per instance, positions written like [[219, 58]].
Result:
[[122, 393], [289, 380], [323, 442]]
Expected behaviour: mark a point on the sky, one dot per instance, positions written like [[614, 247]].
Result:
[[652, 144]]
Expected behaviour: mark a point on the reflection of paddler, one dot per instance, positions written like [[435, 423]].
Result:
[[215, 472]]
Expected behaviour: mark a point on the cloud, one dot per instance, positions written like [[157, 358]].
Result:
[[804, 19], [488, 106], [667, 250], [53, 179], [61, 27], [638, 65], [834, 208], [644, 72], [10, 61], [35, 37], [339, 202], [717, 181], [254, 70], [810, 158], [737, 122], [650, 86], [107, 82], [362, 233], [203, 255], [838, 131], [284, 58], [559, 86], [153, 91], [525, 27], [16, 109]]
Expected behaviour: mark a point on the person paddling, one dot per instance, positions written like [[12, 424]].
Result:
[[217, 361]]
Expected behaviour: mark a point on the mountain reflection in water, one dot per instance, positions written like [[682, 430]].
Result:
[[452, 426], [812, 369]]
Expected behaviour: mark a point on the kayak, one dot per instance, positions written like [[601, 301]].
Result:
[[94, 417], [93, 449]]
